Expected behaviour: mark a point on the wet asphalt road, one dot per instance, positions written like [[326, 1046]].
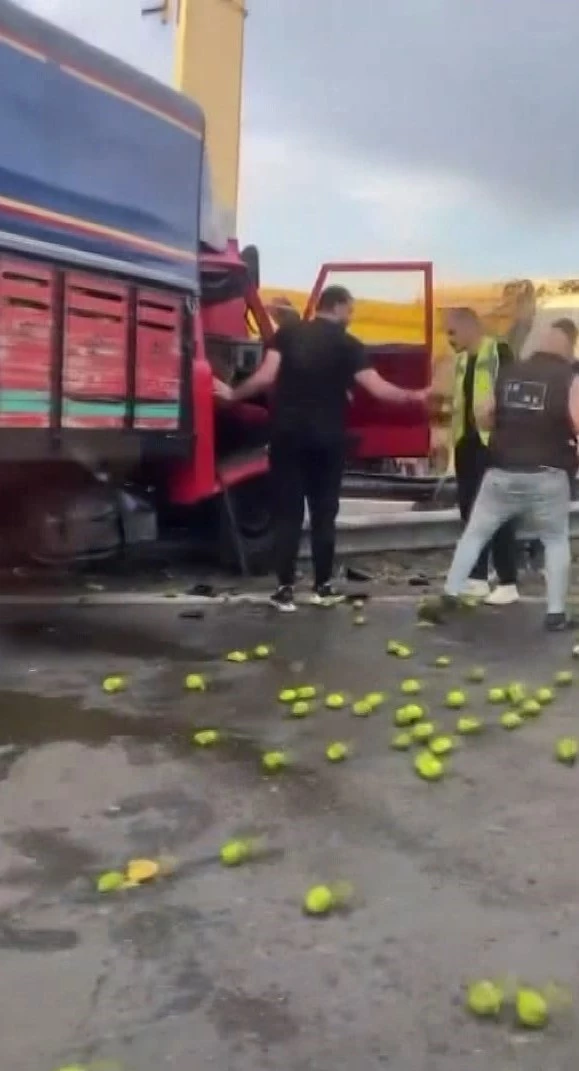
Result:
[[211, 968]]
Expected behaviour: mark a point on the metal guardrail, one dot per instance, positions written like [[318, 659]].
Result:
[[410, 530]]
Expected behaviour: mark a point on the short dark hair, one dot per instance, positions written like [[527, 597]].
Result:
[[567, 328], [466, 314], [333, 296]]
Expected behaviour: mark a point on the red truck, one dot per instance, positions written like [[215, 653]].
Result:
[[119, 300]]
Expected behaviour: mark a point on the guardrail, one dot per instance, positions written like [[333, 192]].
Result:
[[410, 530]]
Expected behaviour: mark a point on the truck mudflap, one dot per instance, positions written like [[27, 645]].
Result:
[[394, 318], [138, 517]]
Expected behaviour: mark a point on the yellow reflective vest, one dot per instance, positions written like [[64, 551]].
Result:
[[485, 374]]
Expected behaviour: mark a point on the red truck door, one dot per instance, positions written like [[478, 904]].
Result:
[[400, 349]]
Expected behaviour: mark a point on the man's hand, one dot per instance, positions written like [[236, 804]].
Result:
[[425, 396], [222, 391], [439, 407]]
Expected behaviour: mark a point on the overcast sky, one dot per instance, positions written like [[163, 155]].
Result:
[[436, 129]]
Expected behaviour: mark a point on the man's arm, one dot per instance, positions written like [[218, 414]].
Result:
[[574, 404], [484, 415], [262, 379], [383, 391]]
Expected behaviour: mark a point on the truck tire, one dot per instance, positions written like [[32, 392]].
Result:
[[251, 504], [63, 526]]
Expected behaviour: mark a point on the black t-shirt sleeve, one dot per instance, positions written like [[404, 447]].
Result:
[[505, 354], [356, 357], [278, 340], [500, 382]]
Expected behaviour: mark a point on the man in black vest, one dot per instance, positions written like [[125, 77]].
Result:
[[534, 419]]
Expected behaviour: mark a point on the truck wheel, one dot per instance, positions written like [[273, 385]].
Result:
[[251, 504], [64, 527]]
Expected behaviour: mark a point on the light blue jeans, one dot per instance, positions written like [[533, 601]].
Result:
[[543, 498]]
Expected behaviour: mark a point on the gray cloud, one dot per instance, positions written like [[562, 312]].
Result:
[[485, 89]]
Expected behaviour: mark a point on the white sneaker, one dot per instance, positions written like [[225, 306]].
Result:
[[503, 595], [476, 589]]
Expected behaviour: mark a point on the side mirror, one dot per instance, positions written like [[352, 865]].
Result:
[[250, 257]]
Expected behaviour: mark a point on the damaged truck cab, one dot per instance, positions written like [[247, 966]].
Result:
[[119, 301]]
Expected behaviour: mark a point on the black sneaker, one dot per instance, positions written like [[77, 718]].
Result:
[[560, 623], [283, 599], [326, 595]]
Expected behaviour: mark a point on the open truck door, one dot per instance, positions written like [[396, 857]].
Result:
[[394, 319]]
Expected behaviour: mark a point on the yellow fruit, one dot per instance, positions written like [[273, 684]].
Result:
[[423, 730], [496, 695], [428, 766], [532, 1009], [307, 691], [467, 726], [530, 708], [411, 687], [301, 709], [563, 678], [393, 646], [375, 699], [404, 652], [235, 852], [566, 750], [443, 661], [337, 751], [408, 714], [362, 708], [114, 684], [441, 745], [288, 695], [455, 699], [511, 720], [140, 870], [263, 650], [206, 738], [195, 682], [319, 900], [110, 881], [484, 999], [401, 742], [544, 696], [274, 760], [476, 674], [335, 701], [516, 693], [237, 656]]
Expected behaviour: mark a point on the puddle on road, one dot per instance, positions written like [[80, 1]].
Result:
[[29, 721], [76, 635]]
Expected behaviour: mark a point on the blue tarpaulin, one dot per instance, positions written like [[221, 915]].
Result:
[[97, 160]]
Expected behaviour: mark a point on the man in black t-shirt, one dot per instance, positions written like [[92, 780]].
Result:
[[312, 366]]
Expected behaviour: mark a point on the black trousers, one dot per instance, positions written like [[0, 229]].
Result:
[[471, 461], [305, 472]]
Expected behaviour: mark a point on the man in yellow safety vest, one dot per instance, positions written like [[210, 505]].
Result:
[[479, 357]]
